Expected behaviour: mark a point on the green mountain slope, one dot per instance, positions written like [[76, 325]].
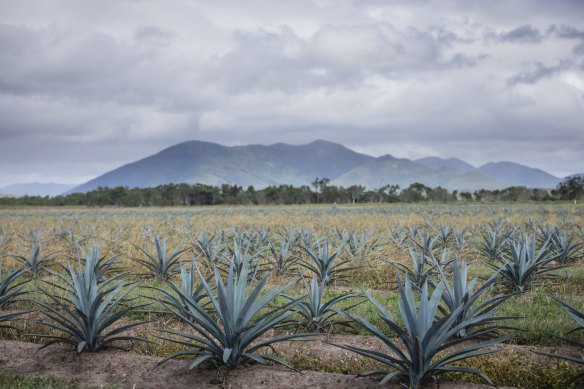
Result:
[[519, 174], [389, 170], [214, 164]]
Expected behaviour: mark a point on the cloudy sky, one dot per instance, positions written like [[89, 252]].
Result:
[[86, 86]]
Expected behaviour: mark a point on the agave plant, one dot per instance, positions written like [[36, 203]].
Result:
[[460, 239], [160, 264], [397, 235], [545, 234], [208, 246], [282, 259], [187, 291], [445, 236], [10, 288], [423, 268], [493, 241], [306, 238], [36, 262], [324, 264], [578, 317], [462, 293], [567, 248], [102, 264], [428, 339], [426, 243], [83, 316], [359, 246], [226, 332], [318, 314], [524, 265], [237, 256]]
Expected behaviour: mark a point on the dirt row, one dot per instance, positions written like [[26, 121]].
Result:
[[129, 370]]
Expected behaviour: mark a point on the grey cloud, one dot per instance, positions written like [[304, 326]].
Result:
[[566, 32], [522, 34], [538, 72], [120, 80], [332, 56], [460, 60], [154, 35], [579, 49]]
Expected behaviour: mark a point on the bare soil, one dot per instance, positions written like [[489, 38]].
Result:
[[130, 370], [322, 348]]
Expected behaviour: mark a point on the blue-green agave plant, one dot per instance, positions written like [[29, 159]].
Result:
[[428, 339], [226, 331], [11, 287], [91, 305]]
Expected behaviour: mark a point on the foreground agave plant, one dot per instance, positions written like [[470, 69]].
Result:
[[10, 288], [225, 332], [96, 306], [427, 339]]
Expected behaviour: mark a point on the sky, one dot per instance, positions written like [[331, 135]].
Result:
[[86, 86]]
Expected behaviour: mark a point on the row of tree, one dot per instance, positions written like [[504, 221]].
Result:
[[319, 192]]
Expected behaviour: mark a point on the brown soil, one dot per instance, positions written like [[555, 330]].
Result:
[[129, 370], [319, 348]]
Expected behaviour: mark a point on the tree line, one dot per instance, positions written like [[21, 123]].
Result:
[[318, 192]]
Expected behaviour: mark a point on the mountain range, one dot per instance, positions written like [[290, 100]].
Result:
[[263, 165]]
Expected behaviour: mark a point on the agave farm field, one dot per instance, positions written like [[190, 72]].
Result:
[[450, 296]]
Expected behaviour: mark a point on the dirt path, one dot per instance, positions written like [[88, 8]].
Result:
[[128, 370], [319, 349]]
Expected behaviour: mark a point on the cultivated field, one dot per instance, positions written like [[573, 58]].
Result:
[[238, 293]]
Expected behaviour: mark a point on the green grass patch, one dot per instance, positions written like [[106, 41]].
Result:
[[12, 380]]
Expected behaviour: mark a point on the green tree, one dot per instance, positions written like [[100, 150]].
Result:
[[571, 189]]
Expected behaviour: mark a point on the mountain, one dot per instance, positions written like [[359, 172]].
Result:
[[35, 189], [388, 169], [210, 163], [454, 163], [510, 173], [263, 165], [519, 175]]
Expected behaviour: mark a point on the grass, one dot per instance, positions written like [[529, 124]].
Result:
[[13, 380]]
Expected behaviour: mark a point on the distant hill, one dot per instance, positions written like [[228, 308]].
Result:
[[509, 173], [520, 175], [263, 165], [258, 165], [454, 163], [35, 189], [404, 172]]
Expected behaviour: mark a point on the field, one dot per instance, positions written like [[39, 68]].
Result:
[[357, 256]]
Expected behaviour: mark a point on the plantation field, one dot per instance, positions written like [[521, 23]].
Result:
[[414, 293]]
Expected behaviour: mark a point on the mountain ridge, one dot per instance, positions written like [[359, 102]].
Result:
[[281, 163]]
